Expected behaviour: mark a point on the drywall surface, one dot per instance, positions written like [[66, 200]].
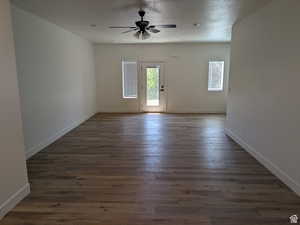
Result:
[[263, 104], [186, 75], [56, 73], [13, 174]]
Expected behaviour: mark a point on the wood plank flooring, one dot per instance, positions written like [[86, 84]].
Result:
[[146, 169]]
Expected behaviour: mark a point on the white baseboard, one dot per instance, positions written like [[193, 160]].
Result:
[[116, 110], [11, 203], [195, 110], [119, 112], [272, 167], [191, 111], [43, 144]]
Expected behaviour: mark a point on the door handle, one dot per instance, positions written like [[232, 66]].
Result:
[[162, 88]]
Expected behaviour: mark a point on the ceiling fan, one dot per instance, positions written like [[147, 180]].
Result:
[[143, 27]]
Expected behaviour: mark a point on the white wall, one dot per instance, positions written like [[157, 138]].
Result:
[[13, 178], [263, 104], [56, 73], [186, 73]]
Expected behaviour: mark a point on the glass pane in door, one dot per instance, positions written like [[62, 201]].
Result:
[[152, 80]]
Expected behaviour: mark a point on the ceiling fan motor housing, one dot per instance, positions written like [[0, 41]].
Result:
[[142, 25]]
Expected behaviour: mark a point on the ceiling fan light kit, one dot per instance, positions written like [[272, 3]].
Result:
[[143, 27]]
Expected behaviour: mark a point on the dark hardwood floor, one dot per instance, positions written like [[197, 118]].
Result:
[[145, 169]]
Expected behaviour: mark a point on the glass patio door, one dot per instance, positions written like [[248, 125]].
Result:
[[153, 88]]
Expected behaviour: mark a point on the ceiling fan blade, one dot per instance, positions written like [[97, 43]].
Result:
[[129, 31], [122, 27], [153, 30], [166, 26]]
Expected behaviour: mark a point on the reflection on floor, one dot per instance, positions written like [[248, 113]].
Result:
[[159, 169]]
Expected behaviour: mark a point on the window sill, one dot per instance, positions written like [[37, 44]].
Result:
[[215, 90], [128, 98]]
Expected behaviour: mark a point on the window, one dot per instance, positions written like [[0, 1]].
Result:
[[129, 77], [216, 76]]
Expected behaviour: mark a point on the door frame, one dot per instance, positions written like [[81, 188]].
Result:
[[141, 88]]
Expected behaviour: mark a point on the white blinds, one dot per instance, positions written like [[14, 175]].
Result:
[[129, 71], [216, 76]]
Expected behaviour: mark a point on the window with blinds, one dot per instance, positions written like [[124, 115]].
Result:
[[130, 79], [215, 76]]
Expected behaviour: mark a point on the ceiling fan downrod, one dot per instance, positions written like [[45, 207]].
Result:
[[142, 14]]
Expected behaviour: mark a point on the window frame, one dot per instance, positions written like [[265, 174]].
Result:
[[210, 75], [123, 79]]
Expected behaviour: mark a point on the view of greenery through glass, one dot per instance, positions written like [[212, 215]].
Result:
[[153, 86]]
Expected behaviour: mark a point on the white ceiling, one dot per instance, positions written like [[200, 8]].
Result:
[[215, 17]]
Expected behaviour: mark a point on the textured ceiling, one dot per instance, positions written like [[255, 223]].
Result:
[[214, 17]]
